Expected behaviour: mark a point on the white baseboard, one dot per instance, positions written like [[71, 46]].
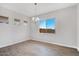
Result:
[[26, 39], [64, 45], [14, 42]]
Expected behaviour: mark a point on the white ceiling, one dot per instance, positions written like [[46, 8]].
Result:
[[29, 8]]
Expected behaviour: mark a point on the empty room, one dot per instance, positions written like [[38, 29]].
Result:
[[39, 29]]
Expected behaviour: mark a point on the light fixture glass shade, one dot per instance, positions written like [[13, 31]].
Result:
[[35, 19]]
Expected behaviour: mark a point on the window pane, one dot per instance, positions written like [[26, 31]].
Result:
[[50, 23], [47, 26], [43, 24]]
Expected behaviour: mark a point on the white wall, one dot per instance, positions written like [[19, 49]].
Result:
[[10, 33], [65, 28], [78, 27]]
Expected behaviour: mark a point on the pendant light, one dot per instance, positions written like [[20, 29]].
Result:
[[35, 18]]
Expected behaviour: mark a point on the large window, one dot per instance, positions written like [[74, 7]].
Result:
[[47, 25]]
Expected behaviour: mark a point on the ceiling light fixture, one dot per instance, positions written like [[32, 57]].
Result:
[[35, 18]]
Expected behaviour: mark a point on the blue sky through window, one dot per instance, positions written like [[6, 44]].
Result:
[[42, 24], [48, 23]]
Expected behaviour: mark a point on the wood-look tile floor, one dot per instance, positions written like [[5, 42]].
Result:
[[35, 48]]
